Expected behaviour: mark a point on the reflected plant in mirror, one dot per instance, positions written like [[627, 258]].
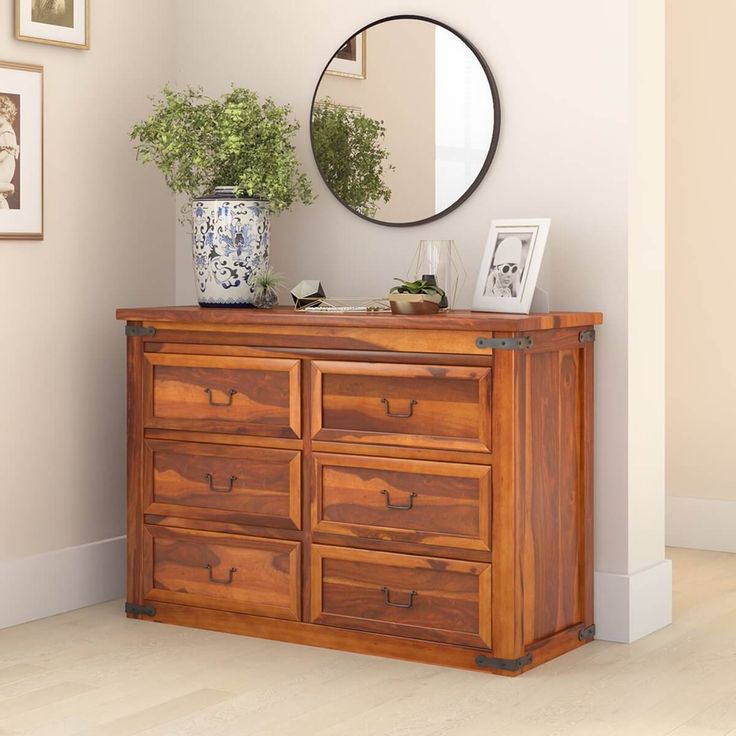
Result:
[[427, 98], [353, 159]]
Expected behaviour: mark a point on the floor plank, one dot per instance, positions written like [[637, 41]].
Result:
[[93, 672]]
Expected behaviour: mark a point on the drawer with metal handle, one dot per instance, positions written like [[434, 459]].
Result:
[[404, 595], [248, 485], [397, 500], [222, 571], [218, 393], [428, 406]]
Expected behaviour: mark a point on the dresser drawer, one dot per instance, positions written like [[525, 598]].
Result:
[[404, 595], [257, 396], [443, 407], [430, 503], [245, 485], [222, 571]]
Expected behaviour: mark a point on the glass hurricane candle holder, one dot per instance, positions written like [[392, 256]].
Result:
[[439, 259]]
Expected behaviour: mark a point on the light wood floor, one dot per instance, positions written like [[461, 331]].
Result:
[[93, 672]]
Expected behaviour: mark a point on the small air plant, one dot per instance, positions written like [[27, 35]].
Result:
[[267, 283]]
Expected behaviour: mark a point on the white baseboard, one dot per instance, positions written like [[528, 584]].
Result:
[[701, 523], [628, 607], [62, 580]]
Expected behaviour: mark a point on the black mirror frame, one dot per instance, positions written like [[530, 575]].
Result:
[[494, 139]]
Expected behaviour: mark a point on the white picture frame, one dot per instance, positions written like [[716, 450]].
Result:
[[510, 265], [21, 146], [349, 61], [56, 22]]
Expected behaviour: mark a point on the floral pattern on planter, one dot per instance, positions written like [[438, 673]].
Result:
[[230, 242]]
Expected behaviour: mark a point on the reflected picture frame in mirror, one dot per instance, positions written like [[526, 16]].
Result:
[[325, 110], [350, 58]]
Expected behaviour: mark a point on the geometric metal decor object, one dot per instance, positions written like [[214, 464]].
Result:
[[306, 293]]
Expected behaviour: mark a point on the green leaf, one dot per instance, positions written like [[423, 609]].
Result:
[[349, 150], [199, 143]]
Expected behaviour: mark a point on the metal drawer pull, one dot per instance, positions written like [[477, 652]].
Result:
[[229, 580], [229, 401], [208, 477], [387, 599], [412, 404], [396, 506]]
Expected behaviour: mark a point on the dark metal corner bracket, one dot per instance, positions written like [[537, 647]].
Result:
[[587, 633], [138, 331], [509, 665], [504, 343], [136, 608], [587, 336]]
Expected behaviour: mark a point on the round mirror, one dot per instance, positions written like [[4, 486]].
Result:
[[405, 121]]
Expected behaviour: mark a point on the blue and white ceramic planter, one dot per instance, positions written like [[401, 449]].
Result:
[[230, 239]]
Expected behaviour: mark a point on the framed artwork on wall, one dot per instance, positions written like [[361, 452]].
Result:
[[349, 61], [21, 151], [57, 22], [510, 267]]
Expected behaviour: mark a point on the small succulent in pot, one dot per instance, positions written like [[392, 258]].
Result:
[[415, 297], [267, 282]]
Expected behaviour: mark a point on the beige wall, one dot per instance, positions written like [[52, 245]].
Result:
[[570, 132], [109, 242], [398, 89], [701, 254], [566, 144]]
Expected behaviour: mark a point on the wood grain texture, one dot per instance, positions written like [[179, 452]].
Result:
[[367, 496], [293, 340], [405, 595], [553, 494], [223, 394], [229, 527], [447, 407], [183, 435], [134, 510], [448, 503], [218, 343], [417, 453], [241, 484], [451, 320], [585, 462], [307, 490], [245, 574], [508, 594]]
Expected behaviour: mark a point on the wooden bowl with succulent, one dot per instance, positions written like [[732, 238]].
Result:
[[415, 297]]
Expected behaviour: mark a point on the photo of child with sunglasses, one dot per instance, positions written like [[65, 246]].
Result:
[[507, 266]]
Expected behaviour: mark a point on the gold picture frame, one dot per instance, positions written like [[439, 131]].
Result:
[[353, 65], [17, 222], [22, 6]]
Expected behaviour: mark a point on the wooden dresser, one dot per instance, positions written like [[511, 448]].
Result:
[[410, 487]]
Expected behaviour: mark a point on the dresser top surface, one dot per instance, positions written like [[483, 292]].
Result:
[[452, 320]]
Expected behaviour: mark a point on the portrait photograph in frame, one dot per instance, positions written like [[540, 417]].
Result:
[[21, 151], [55, 22], [510, 266], [349, 61]]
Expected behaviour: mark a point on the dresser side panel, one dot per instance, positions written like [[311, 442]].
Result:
[[554, 486], [134, 513]]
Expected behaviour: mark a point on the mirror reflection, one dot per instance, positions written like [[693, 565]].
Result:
[[405, 121]]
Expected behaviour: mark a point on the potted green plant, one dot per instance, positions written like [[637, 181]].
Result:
[[352, 158], [415, 297], [234, 158]]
